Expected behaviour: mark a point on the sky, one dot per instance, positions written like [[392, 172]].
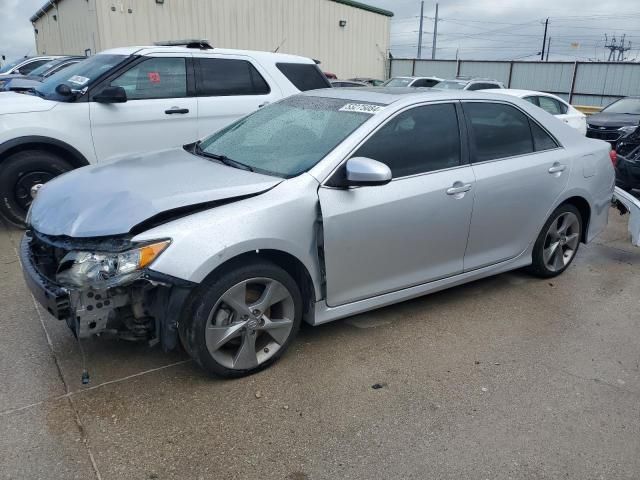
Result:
[[475, 29]]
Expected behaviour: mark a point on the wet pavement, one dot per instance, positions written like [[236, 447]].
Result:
[[507, 377]]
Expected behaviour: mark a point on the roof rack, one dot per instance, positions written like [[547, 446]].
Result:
[[202, 44]]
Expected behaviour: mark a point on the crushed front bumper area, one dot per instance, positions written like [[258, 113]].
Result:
[[627, 203], [146, 308]]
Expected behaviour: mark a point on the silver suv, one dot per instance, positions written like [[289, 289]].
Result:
[[317, 207]]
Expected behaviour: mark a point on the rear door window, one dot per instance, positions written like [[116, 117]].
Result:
[[424, 82], [551, 105], [304, 76], [498, 130], [482, 86], [541, 139], [218, 77]]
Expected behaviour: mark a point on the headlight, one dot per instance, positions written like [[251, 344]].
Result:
[[628, 130], [105, 269]]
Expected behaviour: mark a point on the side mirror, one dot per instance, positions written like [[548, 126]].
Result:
[[64, 90], [111, 95], [362, 171]]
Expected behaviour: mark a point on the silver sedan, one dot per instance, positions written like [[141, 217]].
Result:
[[323, 205]]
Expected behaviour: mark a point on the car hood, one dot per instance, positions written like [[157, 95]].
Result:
[[604, 119], [113, 198], [11, 102], [22, 83]]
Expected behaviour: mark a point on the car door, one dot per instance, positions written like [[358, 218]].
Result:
[[520, 171], [229, 87], [413, 230], [159, 112]]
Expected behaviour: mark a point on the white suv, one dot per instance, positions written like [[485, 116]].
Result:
[[131, 100]]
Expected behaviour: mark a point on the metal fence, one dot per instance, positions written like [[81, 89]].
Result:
[[580, 83]]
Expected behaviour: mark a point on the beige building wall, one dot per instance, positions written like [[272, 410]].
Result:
[[303, 27], [70, 27]]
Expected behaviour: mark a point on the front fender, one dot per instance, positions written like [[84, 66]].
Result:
[[283, 219]]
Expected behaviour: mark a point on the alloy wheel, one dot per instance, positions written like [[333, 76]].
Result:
[[561, 241], [249, 323]]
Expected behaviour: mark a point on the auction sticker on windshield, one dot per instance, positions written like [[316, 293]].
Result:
[[78, 80], [362, 108]]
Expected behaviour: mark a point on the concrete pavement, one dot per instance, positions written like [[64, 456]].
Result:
[[508, 377]]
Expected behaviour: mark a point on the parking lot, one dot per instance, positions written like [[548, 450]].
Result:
[[508, 377]]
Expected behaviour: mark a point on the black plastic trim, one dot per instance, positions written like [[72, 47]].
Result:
[[52, 297], [79, 160]]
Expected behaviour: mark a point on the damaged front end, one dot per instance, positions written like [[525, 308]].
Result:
[[104, 285]]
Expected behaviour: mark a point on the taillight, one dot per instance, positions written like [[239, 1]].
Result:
[[614, 157]]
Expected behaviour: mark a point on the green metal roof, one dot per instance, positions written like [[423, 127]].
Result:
[[364, 6]]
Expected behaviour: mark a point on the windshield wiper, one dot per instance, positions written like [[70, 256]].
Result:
[[222, 158]]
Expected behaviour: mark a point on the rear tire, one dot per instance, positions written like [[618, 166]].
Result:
[[243, 320], [558, 242], [19, 173]]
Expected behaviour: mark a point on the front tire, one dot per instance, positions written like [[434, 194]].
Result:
[[243, 320], [557, 243], [20, 176]]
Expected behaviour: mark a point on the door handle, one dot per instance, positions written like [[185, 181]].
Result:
[[263, 104], [174, 110], [456, 190], [557, 168]]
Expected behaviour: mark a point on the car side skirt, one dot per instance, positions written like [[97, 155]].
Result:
[[324, 313]]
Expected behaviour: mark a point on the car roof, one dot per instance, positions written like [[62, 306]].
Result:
[[258, 55], [521, 93], [415, 77], [389, 95]]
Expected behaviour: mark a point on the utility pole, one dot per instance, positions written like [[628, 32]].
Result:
[[435, 35], [420, 30], [544, 39], [615, 47], [548, 48], [622, 49]]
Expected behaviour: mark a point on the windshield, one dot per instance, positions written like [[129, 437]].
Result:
[[398, 82], [291, 136], [7, 67], [78, 76], [625, 105], [451, 85], [42, 69]]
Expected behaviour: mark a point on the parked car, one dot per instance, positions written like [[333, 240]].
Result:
[[20, 83], [25, 65], [320, 206], [551, 104], [372, 82], [130, 100], [628, 170], [616, 121], [347, 83], [470, 83], [412, 82]]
